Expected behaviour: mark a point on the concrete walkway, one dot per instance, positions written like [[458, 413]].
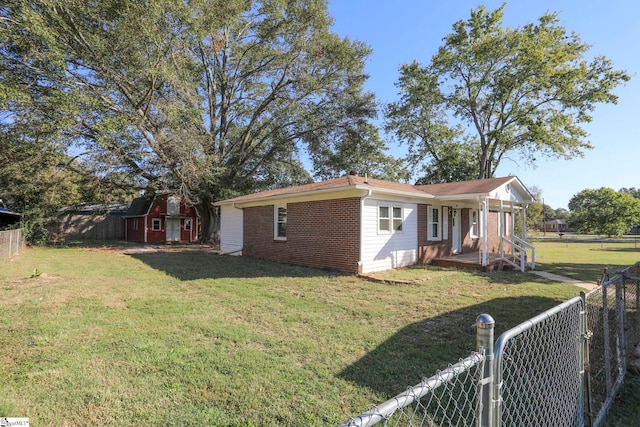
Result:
[[564, 279]]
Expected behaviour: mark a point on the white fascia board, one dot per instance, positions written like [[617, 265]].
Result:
[[326, 194]]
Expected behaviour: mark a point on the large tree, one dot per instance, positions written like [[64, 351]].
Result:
[[500, 92], [211, 98], [604, 211]]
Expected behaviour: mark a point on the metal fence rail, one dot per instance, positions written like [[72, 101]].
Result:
[[11, 241], [563, 367], [447, 398]]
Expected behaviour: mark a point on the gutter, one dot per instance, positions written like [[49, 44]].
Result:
[[337, 190]]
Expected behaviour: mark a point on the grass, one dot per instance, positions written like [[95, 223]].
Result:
[[585, 260], [194, 338]]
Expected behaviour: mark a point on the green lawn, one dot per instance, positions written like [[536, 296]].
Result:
[[585, 260], [96, 337]]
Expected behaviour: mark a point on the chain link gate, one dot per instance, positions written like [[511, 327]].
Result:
[[540, 369]]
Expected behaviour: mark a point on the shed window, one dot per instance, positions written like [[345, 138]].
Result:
[[187, 224], [280, 222], [135, 223], [156, 224]]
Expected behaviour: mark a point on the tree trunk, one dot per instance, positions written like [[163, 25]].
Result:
[[210, 220]]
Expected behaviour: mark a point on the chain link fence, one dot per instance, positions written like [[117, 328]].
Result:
[[613, 324], [450, 397], [539, 369], [563, 367], [11, 241]]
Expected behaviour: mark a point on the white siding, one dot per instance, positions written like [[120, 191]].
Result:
[[231, 233], [382, 251]]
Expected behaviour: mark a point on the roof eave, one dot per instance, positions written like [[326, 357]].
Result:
[[358, 188]]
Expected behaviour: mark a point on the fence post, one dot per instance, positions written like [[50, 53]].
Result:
[[586, 365], [621, 290], [484, 340]]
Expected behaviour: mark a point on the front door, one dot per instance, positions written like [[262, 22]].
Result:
[[456, 241], [172, 226]]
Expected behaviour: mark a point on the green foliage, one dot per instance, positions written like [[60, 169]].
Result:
[[500, 91], [604, 211], [635, 192], [208, 98]]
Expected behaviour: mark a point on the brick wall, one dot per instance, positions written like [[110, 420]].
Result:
[[428, 250], [469, 244], [319, 234]]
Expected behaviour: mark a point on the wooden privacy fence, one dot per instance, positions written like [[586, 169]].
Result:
[[88, 227]]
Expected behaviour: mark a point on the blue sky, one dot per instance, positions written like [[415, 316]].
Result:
[[401, 31]]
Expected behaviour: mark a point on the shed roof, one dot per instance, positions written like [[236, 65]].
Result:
[[97, 208], [139, 206], [5, 211]]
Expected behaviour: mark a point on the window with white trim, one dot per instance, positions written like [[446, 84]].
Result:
[[156, 224], [434, 222], [280, 222], [135, 223], [187, 224], [397, 218], [473, 223], [390, 219]]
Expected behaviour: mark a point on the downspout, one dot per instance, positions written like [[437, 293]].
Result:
[[364, 196]]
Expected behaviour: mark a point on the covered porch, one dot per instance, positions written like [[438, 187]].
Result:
[[473, 261], [495, 235]]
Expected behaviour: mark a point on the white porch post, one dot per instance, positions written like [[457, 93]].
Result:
[[512, 226], [524, 221], [485, 232], [501, 228]]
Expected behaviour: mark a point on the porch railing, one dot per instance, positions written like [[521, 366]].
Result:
[[519, 249]]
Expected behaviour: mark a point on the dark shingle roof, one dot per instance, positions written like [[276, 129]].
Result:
[[139, 206]]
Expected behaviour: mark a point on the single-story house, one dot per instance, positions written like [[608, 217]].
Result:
[[359, 224], [555, 225], [160, 218]]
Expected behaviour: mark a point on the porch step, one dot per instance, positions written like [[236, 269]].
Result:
[[495, 264]]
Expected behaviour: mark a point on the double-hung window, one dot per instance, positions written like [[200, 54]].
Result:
[[280, 222], [156, 224], [390, 219], [434, 223], [473, 223]]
